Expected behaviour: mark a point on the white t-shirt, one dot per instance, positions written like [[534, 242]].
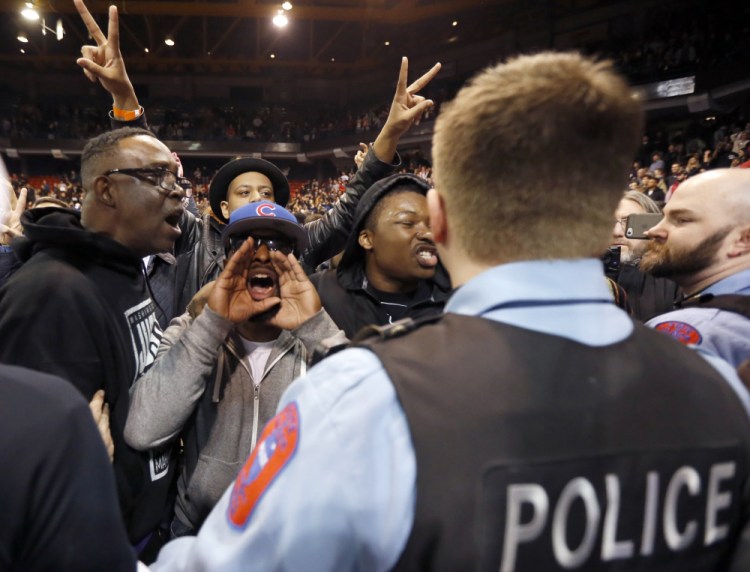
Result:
[[257, 357]]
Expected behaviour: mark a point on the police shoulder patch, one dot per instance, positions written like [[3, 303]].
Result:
[[681, 331], [274, 450]]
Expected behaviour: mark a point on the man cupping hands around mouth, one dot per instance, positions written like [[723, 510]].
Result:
[[220, 372], [263, 288]]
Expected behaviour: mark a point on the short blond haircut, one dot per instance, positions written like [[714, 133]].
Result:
[[531, 155]]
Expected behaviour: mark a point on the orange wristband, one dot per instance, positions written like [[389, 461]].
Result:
[[124, 115]]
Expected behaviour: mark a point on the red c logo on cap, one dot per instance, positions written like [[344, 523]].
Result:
[[266, 210]]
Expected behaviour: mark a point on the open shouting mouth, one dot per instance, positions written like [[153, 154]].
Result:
[[426, 255], [262, 283]]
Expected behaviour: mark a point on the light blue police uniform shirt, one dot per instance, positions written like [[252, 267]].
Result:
[[727, 334], [345, 499]]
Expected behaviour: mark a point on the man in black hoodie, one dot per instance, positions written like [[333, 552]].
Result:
[[80, 308], [389, 269]]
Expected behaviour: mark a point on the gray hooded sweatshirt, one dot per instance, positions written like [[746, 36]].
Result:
[[201, 389]]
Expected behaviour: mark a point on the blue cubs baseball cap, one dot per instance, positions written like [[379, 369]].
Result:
[[265, 215]]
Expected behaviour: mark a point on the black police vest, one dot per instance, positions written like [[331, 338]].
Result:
[[537, 453]]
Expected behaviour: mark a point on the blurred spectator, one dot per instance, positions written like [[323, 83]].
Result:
[[651, 187], [656, 162]]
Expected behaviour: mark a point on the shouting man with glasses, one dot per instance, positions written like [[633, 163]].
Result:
[[219, 376], [80, 308]]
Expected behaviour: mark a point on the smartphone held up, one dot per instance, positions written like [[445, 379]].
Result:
[[637, 224]]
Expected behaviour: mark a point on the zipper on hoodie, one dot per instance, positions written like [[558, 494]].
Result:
[[256, 392], [256, 387], [256, 413]]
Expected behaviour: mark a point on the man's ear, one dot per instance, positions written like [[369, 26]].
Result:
[[365, 239], [225, 209], [104, 191], [741, 246], [438, 223]]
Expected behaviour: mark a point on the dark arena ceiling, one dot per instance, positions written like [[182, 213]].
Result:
[[333, 38]]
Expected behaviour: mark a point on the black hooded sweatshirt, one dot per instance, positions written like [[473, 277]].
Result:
[[345, 292], [79, 308]]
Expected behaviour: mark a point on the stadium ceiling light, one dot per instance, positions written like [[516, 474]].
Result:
[[59, 31], [280, 20], [23, 51], [287, 6], [169, 40], [145, 50], [273, 56], [30, 13], [387, 43], [22, 38]]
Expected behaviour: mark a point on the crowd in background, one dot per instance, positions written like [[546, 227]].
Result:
[[307, 196], [666, 160], [668, 156], [233, 122], [675, 43]]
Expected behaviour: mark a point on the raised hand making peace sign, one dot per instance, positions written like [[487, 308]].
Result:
[[406, 110], [104, 62], [407, 107]]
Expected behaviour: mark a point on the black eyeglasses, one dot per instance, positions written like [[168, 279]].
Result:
[[158, 176], [283, 245]]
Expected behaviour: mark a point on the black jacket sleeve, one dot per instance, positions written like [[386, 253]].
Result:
[[328, 235], [60, 508]]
